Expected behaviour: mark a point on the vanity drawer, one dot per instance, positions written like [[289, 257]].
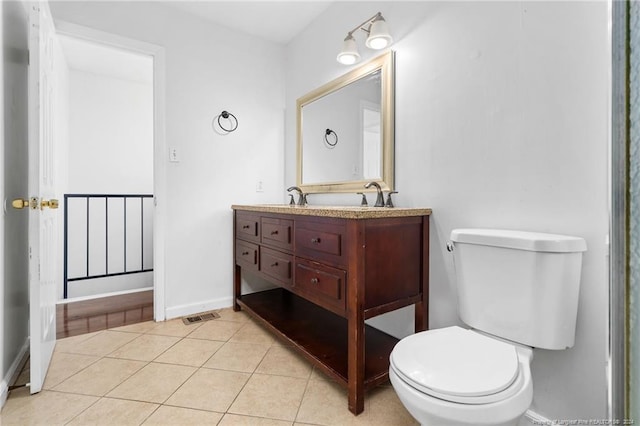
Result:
[[248, 227], [277, 265], [321, 284], [247, 255], [277, 232], [322, 241]]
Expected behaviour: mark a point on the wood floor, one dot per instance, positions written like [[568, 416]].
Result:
[[87, 316]]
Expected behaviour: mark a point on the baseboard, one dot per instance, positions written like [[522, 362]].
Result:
[[533, 418], [98, 296], [13, 372], [209, 305]]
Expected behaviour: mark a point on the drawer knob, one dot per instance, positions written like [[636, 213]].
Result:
[[274, 232], [315, 280], [246, 226], [315, 240], [274, 264], [245, 253]]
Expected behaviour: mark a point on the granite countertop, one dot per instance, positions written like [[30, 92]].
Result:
[[344, 212]]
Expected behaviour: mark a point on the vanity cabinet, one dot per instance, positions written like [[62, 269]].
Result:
[[333, 269]]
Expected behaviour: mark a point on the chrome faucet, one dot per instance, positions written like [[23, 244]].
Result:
[[302, 197], [380, 197]]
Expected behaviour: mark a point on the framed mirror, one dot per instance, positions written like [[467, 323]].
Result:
[[346, 131]]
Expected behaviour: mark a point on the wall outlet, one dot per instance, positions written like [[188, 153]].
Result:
[[173, 155], [259, 186]]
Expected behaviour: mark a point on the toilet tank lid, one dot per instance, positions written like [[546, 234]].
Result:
[[521, 240]]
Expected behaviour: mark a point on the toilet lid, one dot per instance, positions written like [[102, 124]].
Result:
[[455, 361]]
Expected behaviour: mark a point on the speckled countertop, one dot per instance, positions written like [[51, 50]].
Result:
[[344, 212]]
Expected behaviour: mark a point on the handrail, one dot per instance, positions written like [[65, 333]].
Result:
[[88, 275]]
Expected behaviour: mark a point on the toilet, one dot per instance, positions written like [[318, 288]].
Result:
[[517, 291]]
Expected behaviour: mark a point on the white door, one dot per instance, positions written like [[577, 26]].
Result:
[[42, 214]]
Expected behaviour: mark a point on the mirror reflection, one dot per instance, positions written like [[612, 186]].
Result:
[[352, 146], [345, 131]]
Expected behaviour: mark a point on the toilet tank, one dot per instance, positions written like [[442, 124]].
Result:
[[521, 286]]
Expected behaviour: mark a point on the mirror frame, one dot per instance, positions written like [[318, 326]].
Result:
[[386, 64]]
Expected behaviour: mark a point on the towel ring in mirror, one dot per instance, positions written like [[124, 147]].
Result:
[[327, 137]]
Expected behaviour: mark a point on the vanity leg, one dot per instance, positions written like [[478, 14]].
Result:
[[422, 307], [237, 271], [237, 280], [355, 318], [356, 366]]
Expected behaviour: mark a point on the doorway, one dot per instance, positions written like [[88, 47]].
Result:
[[108, 179], [157, 204]]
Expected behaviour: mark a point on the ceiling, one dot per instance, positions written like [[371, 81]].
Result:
[[276, 21], [96, 58]]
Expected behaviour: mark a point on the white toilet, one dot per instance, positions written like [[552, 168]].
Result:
[[516, 290]]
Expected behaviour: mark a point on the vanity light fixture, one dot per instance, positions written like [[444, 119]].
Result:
[[378, 38]]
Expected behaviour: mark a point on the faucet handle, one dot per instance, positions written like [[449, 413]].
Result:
[[364, 202], [389, 202], [292, 202]]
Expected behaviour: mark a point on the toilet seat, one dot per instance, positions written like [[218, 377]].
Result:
[[458, 365]]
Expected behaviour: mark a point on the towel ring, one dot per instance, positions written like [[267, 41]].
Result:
[[328, 133], [233, 121]]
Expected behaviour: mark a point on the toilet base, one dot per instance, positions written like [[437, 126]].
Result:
[[430, 411]]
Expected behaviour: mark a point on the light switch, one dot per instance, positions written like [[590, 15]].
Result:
[[173, 155]]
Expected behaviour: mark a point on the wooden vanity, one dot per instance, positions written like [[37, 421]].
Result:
[[334, 267]]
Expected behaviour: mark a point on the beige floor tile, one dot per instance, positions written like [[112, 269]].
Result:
[[44, 408], [253, 333], [141, 327], [193, 352], [146, 347], [243, 357], [174, 327], [283, 361], [63, 345], [216, 330], [153, 383], [109, 411], [384, 407], [182, 416], [25, 375], [64, 365], [316, 374], [228, 314], [274, 397], [325, 403], [212, 390], [100, 344], [237, 420], [101, 377]]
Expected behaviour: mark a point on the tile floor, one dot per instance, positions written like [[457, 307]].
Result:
[[228, 371]]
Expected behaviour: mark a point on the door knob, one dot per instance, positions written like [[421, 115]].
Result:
[[52, 204], [20, 203]]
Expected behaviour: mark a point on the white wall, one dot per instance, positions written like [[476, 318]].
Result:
[[110, 134], [501, 121], [209, 68], [110, 152]]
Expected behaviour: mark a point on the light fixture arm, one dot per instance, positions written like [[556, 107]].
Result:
[[362, 26]]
